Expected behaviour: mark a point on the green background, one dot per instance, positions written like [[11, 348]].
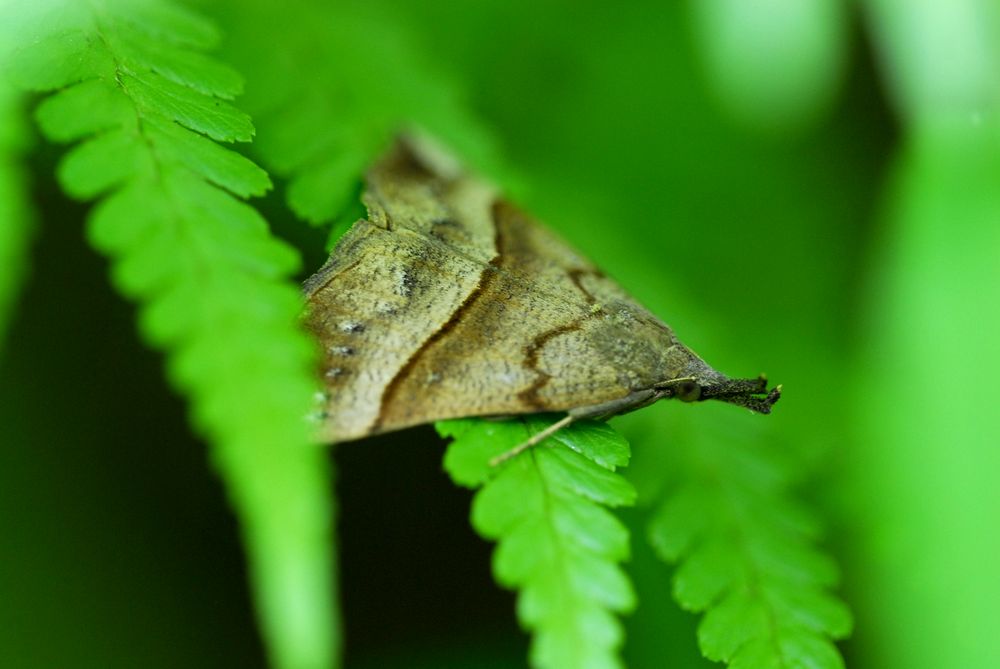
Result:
[[810, 189]]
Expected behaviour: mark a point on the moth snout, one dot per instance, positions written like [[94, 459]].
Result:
[[748, 393], [711, 385]]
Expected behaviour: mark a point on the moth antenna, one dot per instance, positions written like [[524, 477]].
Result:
[[534, 439]]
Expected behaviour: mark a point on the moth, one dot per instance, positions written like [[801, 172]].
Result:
[[448, 301]]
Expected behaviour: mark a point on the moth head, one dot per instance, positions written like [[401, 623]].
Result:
[[695, 381]]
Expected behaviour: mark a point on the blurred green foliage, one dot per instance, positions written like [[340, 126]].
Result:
[[739, 171], [15, 210]]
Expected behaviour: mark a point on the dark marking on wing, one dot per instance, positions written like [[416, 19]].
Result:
[[486, 279], [530, 394], [576, 276]]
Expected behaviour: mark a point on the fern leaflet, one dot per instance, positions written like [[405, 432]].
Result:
[[134, 86], [745, 554], [557, 544]]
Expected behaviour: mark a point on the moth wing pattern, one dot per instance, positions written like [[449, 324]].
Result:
[[448, 301]]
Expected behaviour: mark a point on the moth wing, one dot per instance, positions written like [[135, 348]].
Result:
[[449, 302]]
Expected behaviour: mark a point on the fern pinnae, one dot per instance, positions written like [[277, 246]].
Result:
[[746, 558], [557, 543], [213, 284]]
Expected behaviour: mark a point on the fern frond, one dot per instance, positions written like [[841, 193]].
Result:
[[367, 81], [136, 90], [557, 543], [746, 554], [16, 217]]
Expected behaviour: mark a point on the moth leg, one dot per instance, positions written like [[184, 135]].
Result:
[[498, 418], [601, 411], [631, 402], [534, 439]]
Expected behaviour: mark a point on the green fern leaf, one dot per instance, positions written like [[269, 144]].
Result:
[[746, 556], [16, 219], [212, 283], [558, 544], [219, 120], [180, 65], [59, 115]]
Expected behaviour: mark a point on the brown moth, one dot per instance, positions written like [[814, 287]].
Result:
[[448, 301]]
